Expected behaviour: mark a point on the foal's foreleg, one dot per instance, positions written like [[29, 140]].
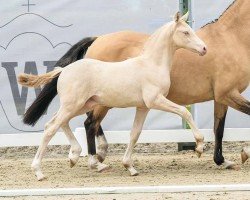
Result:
[[140, 117], [161, 103]]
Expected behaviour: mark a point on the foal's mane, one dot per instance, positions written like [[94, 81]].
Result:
[[151, 40], [215, 20]]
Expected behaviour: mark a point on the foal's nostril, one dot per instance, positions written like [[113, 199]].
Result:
[[204, 49]]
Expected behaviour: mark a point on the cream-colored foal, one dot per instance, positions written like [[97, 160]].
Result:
[[142, 82]]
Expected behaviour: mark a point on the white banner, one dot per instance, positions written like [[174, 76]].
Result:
[[34, 34]]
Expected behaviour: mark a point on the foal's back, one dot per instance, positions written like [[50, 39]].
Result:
[[111, 84]]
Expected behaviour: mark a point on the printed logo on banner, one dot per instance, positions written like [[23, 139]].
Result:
[[20, 53]]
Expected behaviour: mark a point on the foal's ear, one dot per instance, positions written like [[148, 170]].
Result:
[[177, 17], [185, 17]]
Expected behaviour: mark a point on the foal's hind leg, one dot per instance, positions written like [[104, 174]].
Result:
[[161, 103], [75, 149], [140, 117], [50, 129]]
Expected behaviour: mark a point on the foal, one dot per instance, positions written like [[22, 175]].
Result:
[[141, 82]]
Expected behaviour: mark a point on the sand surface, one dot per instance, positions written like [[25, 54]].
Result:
[[168, 167]]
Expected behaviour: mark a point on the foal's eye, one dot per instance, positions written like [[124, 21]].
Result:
[[186, 32]]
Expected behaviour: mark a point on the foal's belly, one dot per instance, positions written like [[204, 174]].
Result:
[[120, 98]]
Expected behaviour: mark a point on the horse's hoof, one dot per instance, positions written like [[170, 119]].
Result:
[[244, 156], [102, 167]]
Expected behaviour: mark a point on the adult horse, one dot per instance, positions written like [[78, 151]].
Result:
[[220, 76], [141, 82]]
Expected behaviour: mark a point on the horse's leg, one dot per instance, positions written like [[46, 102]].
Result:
[[102, 145], [134, 135], [75, 149], [93, 128], [50, 129], [238, 102], [220, 112], [161, 103], [92, 125], [90, 135]]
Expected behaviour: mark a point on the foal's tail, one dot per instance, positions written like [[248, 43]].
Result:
[[30, 80], [41, 103]]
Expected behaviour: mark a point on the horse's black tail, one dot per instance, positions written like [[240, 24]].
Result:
[[41, 103]]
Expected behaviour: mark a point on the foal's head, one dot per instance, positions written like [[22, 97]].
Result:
[[185, 37]]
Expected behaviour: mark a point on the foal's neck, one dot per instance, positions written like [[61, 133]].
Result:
[[160, 48]]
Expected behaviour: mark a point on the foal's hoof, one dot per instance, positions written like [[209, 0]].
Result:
[[73, 159], [199, 150], [244, 156], [74, 156], [40, 176], [235, 167], [198, 154], [72, 162], [134, 174], [133, 171], [102, 167], [231, 165]]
